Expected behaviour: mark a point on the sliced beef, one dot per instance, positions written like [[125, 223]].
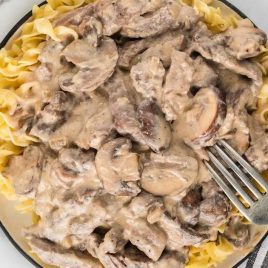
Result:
[[53, 254], [114, 241], [94, 65], [118, 167], [148, 238], [167, 17], [160, 46], [245, 41], [147, 77], [215, 210], [179, 236], [146, 124], [189, 208], [204, 75], [155, 130], [169, 173], [89, 125], [237, 232], [257, 154], [214, 50], [25, 171], [52, 116], [177, 85]]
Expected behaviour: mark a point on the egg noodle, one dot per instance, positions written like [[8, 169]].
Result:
[[20, 58]]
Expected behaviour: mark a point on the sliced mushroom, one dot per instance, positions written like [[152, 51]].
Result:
[[95, 65], [168, 173], [198, 125], [118, 167], [245, 41], [147, 77], [25, 170], [154, 128], [177, 85]]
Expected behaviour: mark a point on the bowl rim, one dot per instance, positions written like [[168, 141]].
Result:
[[2, 44]]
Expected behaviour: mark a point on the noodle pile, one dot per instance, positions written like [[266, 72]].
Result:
[[20, 58]]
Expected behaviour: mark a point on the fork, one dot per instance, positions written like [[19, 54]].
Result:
[[239, 183]]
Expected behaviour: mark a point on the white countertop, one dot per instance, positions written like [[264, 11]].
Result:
[[257, 10]]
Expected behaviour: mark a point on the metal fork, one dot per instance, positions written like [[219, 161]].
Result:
[[239, 183]]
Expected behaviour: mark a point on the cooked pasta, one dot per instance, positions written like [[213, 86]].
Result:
[[20, 58]]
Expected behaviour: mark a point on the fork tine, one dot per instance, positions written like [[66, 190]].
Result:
[[227, 190], [238, 172], [230, 178], [245, 165]]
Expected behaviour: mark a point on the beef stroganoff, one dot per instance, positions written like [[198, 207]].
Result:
[[107, 108]]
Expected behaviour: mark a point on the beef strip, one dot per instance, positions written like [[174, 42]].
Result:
[[147, 77], [89, 125], [24, 171], [113, 241], [179, 235], [215, 210], [95, 65], [160, 46], [145, 125], [155, 130], [213, 49], [167, 17], [188, 209], [118, 167], [177, 85], [204, 74], [53, 254], [237, 232], [148, 238], [52, 116]]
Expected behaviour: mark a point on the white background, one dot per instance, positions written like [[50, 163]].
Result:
[[12, 10]]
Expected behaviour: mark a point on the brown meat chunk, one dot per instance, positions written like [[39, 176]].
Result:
[[179, 236], [95, 65], [169, 16], [154, 128], [118, 167], [257, 154], [147, 77], [160, 46], [53, 254], [25, 171], [89, 125], [52, 116], [189, 208], [204, 75], [148, 238], [215, 210], [237, 232], [177, 85], [145, 125]]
